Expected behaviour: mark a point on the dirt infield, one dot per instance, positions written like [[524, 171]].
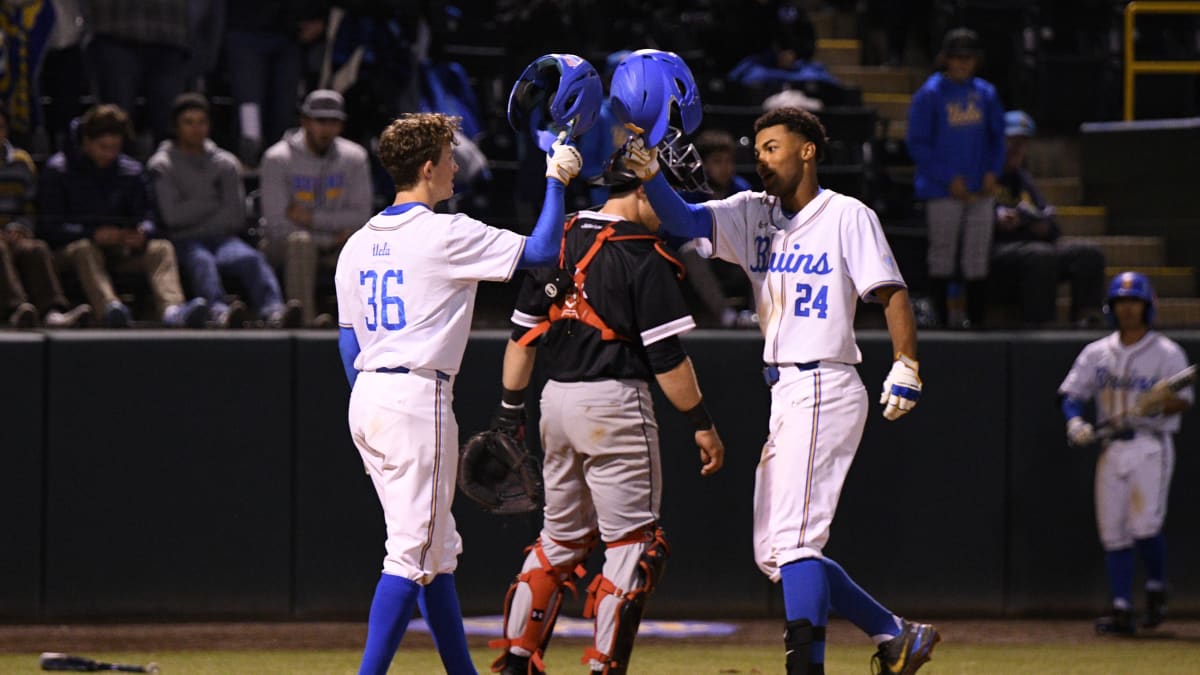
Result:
[[331, 635]]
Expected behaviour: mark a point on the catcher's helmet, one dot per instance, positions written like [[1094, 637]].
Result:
[[1130, 285], [643, 87], [680, 162], [556, 92]]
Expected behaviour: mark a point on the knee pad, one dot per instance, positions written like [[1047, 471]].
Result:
[[630, 604], [798, 638], [546, 583]]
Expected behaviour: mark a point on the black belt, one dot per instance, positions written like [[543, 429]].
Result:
[[771, 370], [401, 369]]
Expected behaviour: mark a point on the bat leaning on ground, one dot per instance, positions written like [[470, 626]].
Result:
[[55, 661], [1173, 383]]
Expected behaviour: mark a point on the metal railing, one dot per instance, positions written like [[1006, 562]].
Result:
[[1133, 67]]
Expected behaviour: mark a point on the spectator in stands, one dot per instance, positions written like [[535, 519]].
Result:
[[140, 48], [721, 286], [316, 191], [23, 256], [94, 206], [1029, 254], [264, 44], [956, 138], [203, 208], [786, 64]]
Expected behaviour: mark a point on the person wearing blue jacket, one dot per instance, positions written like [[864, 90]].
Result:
[[956, 138]]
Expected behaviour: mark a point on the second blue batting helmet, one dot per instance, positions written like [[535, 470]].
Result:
[[1130, 285], [644, 86], [555, 93]]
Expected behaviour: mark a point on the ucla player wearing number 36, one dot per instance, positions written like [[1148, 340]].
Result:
[[406, 286], [810, 254]]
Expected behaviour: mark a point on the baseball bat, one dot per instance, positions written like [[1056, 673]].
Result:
[[1175, 382], [82, 664]]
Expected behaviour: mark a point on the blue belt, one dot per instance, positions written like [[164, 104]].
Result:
[[401, 369], [771, 371]]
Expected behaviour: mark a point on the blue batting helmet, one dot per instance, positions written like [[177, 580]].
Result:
[[643, 87], [556, 92], [1130, 285]]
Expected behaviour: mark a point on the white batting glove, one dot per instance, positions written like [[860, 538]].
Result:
[[563, 162], [901, 389], [1079, 432], [639, 159]]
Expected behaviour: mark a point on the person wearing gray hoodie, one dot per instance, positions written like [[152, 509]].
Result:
[[316, 192], [199, 193]]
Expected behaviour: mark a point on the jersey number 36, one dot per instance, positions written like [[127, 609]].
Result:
[[384, 307]]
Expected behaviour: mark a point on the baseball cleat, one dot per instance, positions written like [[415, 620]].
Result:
[[1156, 609], [907, 652], [1120, 622]]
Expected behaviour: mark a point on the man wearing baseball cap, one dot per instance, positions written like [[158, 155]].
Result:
[[316, 190], [1029, 253], [956, 138]]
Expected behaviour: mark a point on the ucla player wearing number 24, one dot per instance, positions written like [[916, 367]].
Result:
[[810, 253], [406, 286]]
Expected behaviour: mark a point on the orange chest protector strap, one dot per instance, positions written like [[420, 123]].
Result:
[[574, 303]]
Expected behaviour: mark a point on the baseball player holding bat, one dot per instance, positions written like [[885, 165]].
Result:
[[406, 285], [810, 254], [1140, 382]]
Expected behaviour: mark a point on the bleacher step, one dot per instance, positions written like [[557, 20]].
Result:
[[1121, 251], [892, 107], [1167, 281], [881, 79], [1062, 190], [1168, 312], [838, 52], [833, 24], [1082, 221]]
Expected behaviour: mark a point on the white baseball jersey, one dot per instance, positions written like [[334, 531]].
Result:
[[1115, 375], [808, 270], [406, 283]]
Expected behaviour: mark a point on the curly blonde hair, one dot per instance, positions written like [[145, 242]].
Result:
[[413, 139]]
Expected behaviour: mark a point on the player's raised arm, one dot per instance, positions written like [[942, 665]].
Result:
[[680, 218], [563, 163]]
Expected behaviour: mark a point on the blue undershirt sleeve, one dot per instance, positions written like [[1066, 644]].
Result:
[[348, 347], [542, 246], [690, 221], [1072, 408]]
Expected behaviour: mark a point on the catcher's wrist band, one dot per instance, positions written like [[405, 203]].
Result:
[[512, 398], [699, 417]]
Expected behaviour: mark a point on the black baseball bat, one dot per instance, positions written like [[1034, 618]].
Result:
[[82, 664]]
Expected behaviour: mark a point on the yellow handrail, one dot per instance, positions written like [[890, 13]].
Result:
[[1134, 67]]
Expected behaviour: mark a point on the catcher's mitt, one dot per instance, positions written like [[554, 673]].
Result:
[[500, 473]]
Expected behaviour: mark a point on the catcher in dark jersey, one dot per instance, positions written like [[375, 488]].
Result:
[[606, 322]]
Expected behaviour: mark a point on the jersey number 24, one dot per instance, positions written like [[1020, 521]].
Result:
[[380, 302], [820, 303]]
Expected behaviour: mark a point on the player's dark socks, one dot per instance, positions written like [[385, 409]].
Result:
[[391, 608], [856, 605], [1120, 575], [439, 605], [806, 598], [1153, 551], [976, 302]]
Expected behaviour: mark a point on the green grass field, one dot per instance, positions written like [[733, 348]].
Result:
[[1160, 657]]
